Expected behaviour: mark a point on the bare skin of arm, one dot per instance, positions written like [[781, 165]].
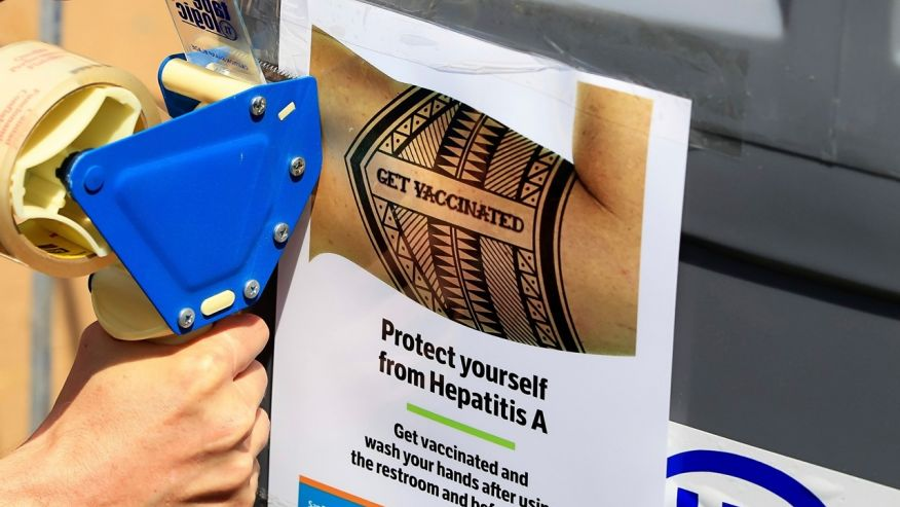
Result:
[[569, 281], [150, 424], [601, 238]]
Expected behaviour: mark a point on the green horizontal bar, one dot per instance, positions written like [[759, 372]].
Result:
[[465, 428]]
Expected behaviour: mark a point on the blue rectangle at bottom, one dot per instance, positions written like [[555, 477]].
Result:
[[311, 496]]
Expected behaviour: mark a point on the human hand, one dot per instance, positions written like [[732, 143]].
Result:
[[149, 424]]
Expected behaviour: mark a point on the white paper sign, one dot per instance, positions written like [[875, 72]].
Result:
[[378, 400], [356, 410]]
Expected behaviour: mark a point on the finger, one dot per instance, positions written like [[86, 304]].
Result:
[[252, 383], [254, 479], [241, 337], [259, 435], [249, 494]]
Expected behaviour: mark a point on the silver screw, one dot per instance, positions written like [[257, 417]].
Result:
[[298, 166], [258, 106], [282, 233], [251, 289], [186, 318]]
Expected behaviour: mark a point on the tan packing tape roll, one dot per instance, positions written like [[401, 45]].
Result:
[[200, 84], [53, 103]]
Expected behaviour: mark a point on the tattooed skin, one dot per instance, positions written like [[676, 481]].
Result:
[[427, 173], [471, 219]]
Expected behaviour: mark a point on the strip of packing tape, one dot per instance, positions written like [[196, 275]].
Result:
[[54, 103]]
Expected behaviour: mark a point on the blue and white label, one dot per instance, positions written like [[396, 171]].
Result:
[[706, 470]]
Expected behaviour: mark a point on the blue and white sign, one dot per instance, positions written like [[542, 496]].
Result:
[[706, 470]]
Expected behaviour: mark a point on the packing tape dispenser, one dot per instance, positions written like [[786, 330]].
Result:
[[179, 222]]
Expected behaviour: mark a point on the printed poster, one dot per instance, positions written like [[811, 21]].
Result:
[[482, 307]]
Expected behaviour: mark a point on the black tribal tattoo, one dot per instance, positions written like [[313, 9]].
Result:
[[465, 214]]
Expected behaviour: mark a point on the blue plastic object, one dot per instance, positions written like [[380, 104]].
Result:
[[190, 206]]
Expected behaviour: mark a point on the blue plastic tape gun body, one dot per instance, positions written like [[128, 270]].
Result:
[[180, 223], [198, 209]]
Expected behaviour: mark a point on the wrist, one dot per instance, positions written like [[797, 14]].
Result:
[[29, 476], [17, 485]]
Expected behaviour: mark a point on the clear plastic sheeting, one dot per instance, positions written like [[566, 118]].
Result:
[[262, 19], [809, 88], [801, 94], [294, 37], [772, 72]]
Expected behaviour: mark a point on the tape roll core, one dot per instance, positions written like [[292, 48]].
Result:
[[53, 103]]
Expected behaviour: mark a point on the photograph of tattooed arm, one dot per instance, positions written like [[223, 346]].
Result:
[[476, 222]]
